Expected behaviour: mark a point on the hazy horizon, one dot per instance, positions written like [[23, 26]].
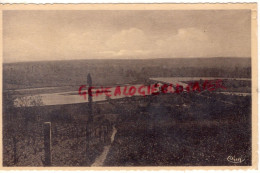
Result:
[[49, 60]]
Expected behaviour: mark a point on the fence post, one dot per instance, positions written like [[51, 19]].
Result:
[[90, 120], [89, 81], [47, 143], [14, 149]]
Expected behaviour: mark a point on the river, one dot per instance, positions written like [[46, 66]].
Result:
[[72, 97]]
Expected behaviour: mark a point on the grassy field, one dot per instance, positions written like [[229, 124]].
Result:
[[200, 133], [163, 130]]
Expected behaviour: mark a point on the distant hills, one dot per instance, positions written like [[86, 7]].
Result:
[[118, 71], [191, 62]]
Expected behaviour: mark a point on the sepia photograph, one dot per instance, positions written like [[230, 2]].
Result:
[[119, 87]]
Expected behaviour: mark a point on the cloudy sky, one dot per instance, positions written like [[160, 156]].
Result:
[[64, 35]]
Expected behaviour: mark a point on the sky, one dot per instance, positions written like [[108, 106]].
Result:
[[67, 35]]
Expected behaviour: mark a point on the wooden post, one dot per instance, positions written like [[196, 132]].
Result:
[[47, 143], [89, 81], [90, 119], [15, 152]]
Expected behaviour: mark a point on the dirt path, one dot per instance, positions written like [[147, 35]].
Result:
[[102, 157]]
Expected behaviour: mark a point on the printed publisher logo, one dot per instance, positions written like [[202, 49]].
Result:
[[234, 159]]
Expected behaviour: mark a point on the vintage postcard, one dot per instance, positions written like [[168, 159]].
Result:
[[129, 86]]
